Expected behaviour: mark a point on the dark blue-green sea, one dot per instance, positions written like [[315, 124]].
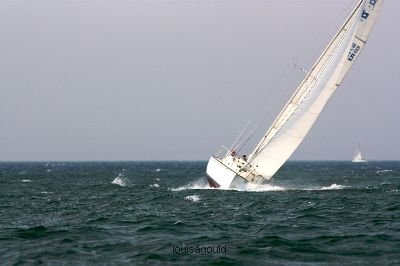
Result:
[[163, 213]]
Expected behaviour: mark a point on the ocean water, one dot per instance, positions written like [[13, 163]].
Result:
[[163, 213]]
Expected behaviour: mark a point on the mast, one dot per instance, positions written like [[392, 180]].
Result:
[[301, 111], [310, 76]]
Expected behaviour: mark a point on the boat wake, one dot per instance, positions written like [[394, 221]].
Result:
[[260, 188], [198, 184], [316, 188], [202, 184]]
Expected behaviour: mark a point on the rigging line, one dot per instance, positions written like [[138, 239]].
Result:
[[272, 86], [277, 99], [283, 96], [238, 137], [351, 20], [285, 71], [299, 67], [304, 52], [286, 94], [241, 146], [290, 114]]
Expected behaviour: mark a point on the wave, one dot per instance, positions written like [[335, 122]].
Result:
[[194, 198], [198, 184], [334, 186], [36, 232], [384, 171]]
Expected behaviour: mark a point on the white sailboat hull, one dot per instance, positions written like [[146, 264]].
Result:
[[219, 175], [359, 161]]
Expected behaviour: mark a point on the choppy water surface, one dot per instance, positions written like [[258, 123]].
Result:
[[312, 213]]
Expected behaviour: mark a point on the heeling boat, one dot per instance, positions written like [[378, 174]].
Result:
[[302, 110]]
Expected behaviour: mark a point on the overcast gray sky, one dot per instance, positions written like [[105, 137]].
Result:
[[174, 80]]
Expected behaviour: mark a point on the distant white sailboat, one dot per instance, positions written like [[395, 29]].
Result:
[[301, 111], [358, 158]]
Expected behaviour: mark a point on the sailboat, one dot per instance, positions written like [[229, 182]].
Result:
[[358, 158], [302, 110]]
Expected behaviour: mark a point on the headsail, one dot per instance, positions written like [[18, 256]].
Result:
[[304, 107]]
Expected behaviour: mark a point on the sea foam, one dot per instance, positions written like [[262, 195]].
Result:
[[202, 184], [334, 186], [198, 184], [194, 198]]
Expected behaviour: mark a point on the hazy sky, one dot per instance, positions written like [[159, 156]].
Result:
[[176, 79]]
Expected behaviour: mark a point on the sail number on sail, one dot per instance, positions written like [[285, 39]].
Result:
[[364, 16], [353, 51]]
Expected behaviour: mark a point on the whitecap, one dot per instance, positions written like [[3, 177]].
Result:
[[155, 185], [194, 198], [333, 186], [26, 180], [384, 171], [198, 184]]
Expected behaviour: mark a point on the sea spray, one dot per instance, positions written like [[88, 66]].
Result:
[[194, 198]]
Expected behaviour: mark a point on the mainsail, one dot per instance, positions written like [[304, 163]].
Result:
[[297, 117]]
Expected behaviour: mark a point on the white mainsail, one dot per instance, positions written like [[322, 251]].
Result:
[[304, 107], [299, 114]]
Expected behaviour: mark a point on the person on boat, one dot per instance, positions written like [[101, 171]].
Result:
[[244, 157], [233, 153]]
